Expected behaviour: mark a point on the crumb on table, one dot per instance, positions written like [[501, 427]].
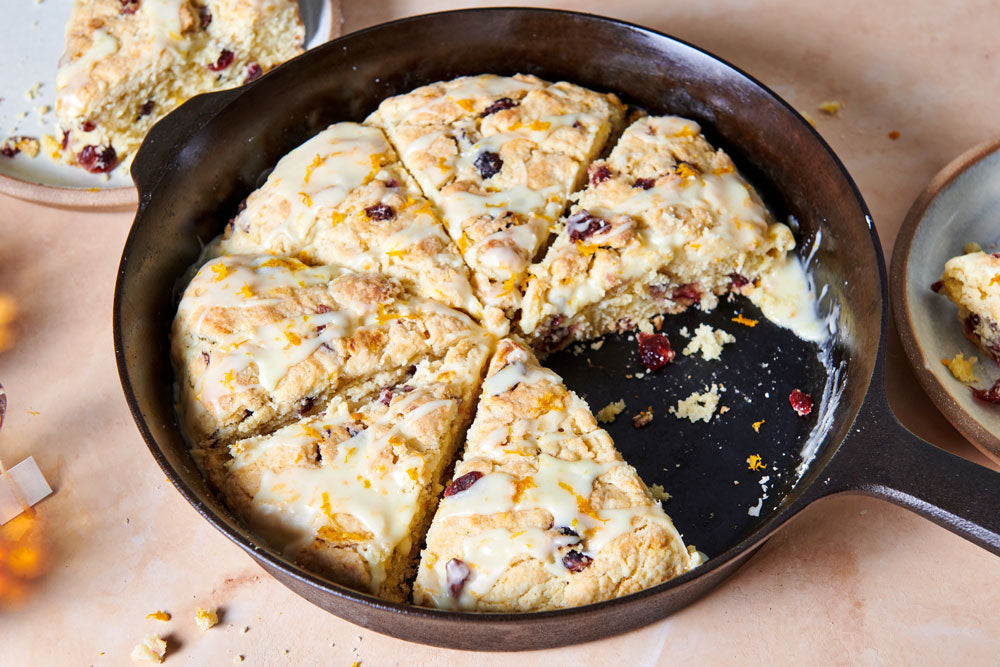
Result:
[[150, 649], [708, 342], [643, 418], [698, 406], [609, 412], [658, 492], [206, 618], [962, 368]]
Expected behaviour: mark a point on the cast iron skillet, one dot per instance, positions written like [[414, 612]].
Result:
[[198, 163]]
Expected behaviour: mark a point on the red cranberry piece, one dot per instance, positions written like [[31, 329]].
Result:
[[644, 183], [380, 212], [991, 395], [207, 357], [554, 334], [499, 105], [353, 429], [687, 292], [576, 561], [577, 124], [488, 164], [146, 108], [972, 322], [738, 280], [600, 174], [65, 140], [937, 285], [98, 159], [385, 396], [801, 402], [392, 183], [995, 254], [323, 308], [654, 350], [305, 405], [458, 573], [204, 17], [88, 126], [224, 61], [254, 72], [9, 148], [128, 6], [583, 225], [462, 483]]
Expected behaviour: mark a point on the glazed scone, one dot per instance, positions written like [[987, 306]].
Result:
[[127, 63], [343, 198], [665, 222], [261, 341], [348, 493], [972, 281], [542, 512], [500, 157]]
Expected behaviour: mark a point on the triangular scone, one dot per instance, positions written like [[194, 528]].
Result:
[[343, 198], [348, 493], [499, 156], [128, 63], [542, 512], [665, 222], [261, 341]]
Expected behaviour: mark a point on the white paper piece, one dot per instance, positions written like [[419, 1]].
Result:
[[31, 485]]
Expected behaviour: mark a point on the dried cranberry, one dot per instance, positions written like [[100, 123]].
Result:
[[207, 357], [577, 124], [995, 254], [687, 292], [462, 483], [98, 159], [499, 105], [554, 334], [385, 396], [576, 561], [224, 61], [65, 140], [658, 292], [305, 405], [128, 6], [392, 183], [88, 126], [9, 148], [600, 174], [488, 164], [937, 285], [457, 573], [972, 322], [738, 280], [254, 72], [991, 395], [353, 429], [146, 108], [654, 350], [380, 212], [323, 308], [801, 402], [644, 183], [569, 532], [204, 17], [582, 225]]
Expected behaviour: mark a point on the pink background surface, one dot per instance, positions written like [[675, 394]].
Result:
[[850, 581]]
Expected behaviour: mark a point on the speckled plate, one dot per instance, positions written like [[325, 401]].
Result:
[[31, 42], [961, 204]]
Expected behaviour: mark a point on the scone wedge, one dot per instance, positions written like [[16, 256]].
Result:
[[972, 282], [665, 222], [260, 341], [348, 493], [343, 198], [542, 512], [128, 63], [499, 156]]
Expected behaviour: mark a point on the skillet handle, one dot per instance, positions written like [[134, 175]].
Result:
[[167, 138], [881, 458]]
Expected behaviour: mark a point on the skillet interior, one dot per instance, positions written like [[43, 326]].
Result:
[[195, 167]]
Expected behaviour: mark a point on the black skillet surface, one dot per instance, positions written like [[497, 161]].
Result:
[[199, 162]]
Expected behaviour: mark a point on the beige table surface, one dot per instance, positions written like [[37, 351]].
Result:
[[851, 580]]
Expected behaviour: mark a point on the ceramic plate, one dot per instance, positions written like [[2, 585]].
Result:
[[31, 42], [961, 204]]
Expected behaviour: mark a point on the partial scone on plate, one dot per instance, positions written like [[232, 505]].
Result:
[[500, 157], [542, 512], [261, 341], [348, 493], [343, 198], [972, 282], [128, 63], [665, 222]]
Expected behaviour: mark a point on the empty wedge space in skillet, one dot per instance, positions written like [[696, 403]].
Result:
[[542, 512], [665, 222], [500, 157], [343, 198], [261, 341], [127, 64], [348, 493]]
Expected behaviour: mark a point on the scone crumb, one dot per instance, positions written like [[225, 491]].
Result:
[[609, 412], [658, 492], [745, 321], [238, 658], [757, 425], [150, 649], [831, 107], [643, 418], [698, 407], [971, 247], [962, 368], [19, 144], [597, 344], [708, 342], [206, 618], [755, 463], [159, 615]]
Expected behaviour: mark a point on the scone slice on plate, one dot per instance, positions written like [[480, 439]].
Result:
[[261, 341], [542, 512], [665, 222], [128, 63], [348, 493], [972, 281], [500, 157], [343, 198]]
